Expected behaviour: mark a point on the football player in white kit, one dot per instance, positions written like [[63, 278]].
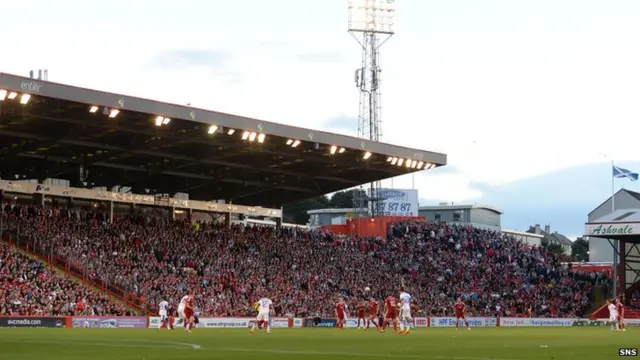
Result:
[[405, 311], [613, 315], [164, 319], [265, 307]]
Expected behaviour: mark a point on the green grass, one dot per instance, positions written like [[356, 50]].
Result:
[[584, 343]]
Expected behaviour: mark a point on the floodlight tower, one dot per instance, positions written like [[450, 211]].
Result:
[[371, 23]]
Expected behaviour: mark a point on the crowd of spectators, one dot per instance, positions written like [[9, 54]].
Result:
[[303, 271], [27, 287]]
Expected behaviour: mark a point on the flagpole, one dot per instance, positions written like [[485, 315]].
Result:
[[613, 189]]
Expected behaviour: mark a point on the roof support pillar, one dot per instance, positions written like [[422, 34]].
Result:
[[623, 263], [616, 256], [38, 199]]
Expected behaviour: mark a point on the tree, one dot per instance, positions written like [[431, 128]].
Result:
[[555, 248], [297, 212], [552, 247], [580, 249], [344, 199]]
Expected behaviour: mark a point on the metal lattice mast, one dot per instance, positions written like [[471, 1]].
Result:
[[371, 23]]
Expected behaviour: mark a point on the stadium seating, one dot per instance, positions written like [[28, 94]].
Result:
[[29, 288], [304, 271]]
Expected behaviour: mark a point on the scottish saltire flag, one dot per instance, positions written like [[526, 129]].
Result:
[[620, 173]]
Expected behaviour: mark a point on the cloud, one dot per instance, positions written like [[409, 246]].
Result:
[[562, 198], [343, 124], [321, 57], [513, 104], [176, 59], [438, 185]]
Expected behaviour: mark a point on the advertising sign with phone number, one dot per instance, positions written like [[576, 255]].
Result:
[[398, 202]]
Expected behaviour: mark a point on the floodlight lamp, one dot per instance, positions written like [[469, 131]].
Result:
[[166, 121], [113, 113], [414, 164], [3, 94], [93, 109], [295, 143], [245, 135], [289, 142], [394, 160], [252, 136], [420, 164], [389, 159], [12, 95], [372, 16], [341, 150], [212, 129], [408, 164], [333, 149], [366, 155], [231, 131], [400, 161], [261, 138], [159, 120], [24, 99]]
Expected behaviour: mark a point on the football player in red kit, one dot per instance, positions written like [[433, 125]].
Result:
[[392, 314], [620, 314], [374, 310], [341, 313], [189, 312], [360, 309], [460, 307]]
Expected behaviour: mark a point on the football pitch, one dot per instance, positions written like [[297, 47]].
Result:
[[584, 343]]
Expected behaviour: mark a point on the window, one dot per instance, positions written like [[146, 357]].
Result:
[[457, 216], [436, 217]]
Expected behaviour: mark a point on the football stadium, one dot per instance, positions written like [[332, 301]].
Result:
[[83, 257], [138, 229]]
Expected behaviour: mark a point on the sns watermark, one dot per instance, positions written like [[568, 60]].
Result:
[[628, 352]]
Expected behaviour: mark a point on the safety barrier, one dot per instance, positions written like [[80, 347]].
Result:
[[143, 322]]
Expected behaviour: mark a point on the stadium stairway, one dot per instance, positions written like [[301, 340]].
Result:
[[56, 266]]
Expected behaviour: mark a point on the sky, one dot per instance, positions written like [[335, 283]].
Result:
[[519, 94]]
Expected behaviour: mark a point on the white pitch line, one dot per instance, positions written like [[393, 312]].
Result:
[[330, 353], [195, 346], [159, 345]]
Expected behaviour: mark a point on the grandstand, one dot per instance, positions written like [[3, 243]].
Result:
[[150, 154], [158, 159]]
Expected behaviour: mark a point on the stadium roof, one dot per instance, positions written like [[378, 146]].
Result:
[[106, 139], [460, 207]]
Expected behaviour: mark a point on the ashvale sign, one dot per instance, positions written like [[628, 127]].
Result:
[[612, 229]]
